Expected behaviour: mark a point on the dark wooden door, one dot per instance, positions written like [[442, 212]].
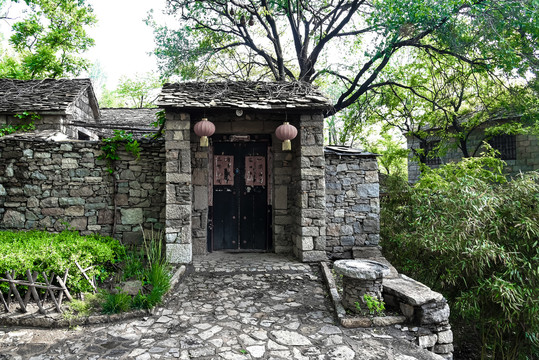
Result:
[[240, 196]]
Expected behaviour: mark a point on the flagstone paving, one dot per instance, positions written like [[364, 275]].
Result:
[[228, 306]]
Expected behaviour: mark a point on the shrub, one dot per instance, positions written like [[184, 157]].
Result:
[[468, 233], [43, 251], [116, 303]]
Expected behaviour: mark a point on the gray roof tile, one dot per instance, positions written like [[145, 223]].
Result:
[[48, 95], [243, 95]]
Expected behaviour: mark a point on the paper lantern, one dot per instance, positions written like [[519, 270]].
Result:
[[285, 133], [204, 128]]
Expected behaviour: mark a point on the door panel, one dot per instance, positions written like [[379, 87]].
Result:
[[240, 210]]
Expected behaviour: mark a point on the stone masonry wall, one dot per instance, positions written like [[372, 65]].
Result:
[[309, 190], [48, 185], [178, 188], [527, 159], [352, 204]]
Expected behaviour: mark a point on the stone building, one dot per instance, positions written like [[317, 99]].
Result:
[[520, 152], [58, 103], [243, 192]]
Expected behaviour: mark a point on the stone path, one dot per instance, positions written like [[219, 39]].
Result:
[[231, 306]]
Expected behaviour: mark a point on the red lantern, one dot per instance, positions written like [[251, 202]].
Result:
[[285, 133], [204, 128]]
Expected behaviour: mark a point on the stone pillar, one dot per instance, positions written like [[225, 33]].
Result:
[[310, 237], [178, 188]]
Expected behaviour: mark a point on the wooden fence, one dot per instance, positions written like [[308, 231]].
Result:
[[31, 284]]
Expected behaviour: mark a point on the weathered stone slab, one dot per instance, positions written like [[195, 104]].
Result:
[[361, 269], [410, 290]]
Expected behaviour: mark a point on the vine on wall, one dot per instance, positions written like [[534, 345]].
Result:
[[111, 144]]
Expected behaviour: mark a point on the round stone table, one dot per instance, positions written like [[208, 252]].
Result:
[[360, 277]]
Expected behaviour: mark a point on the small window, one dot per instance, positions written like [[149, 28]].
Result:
[[83, 136], [506, 145], [428, 151]]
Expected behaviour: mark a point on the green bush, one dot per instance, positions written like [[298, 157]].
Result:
[[467, 232], [43, 251]]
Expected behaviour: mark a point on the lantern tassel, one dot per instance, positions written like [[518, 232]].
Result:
[[287, 145], [204, 141]]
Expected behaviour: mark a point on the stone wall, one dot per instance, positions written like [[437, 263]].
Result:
[[178, 188], [425, 309], [527, 156], [48, 185], [352, 203], [308, 189], [82, 111]]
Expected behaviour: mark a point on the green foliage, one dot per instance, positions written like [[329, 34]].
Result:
[[159, 123], [42, 251], [156, 272], [137, 92], [110, 147], [295, 40], [116, 303], [29, 126], [374, 305], [466, 232], [46, 42], [92, 303]]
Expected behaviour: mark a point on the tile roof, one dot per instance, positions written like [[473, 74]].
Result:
[[346, 151], [42, 96], [243, 95]]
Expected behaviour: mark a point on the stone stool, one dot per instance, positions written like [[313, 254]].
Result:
[[360, 277]]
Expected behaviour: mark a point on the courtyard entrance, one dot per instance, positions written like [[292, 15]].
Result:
[[240, 215]]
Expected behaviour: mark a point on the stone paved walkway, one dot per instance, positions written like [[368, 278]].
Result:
[[230, 306]]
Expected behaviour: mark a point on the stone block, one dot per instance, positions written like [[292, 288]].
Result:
[[200, 200], [445, 337], [310, 231], [443, 348], [438, 315], [179, 178], [14, 219], [52, 211], [30, 190], [69, 201], [427, 341], [313, 256], [105, 217], [49, 202], [69, 163], [179, 253], [79, 223], [307, 243], [181, 212], [84, 191], [407, 310], [365, 191], [74, 211], [410, 291], [281, 197], [132, 216], [34, 202]]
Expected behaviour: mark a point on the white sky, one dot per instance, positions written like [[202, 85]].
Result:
[[122, 39]]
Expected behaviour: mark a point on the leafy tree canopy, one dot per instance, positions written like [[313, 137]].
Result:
[[48, 40], [345, 43], [138, 92]]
